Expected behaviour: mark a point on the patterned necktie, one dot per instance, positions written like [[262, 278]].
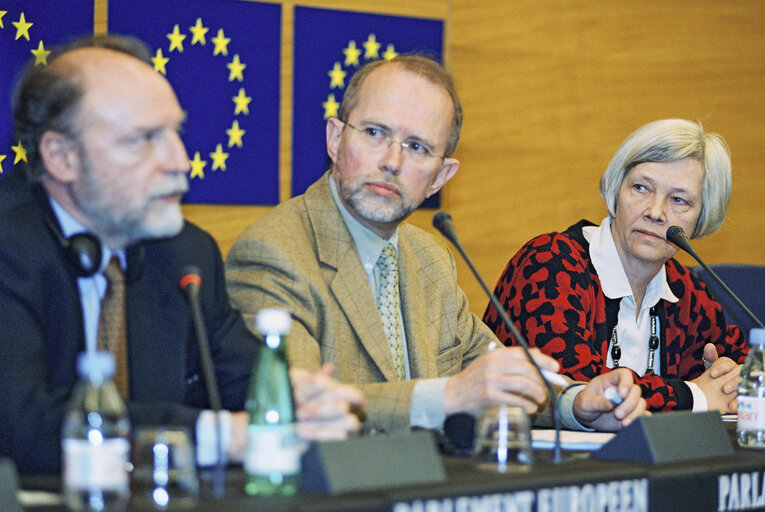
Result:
[[389, 305], [111, 324]]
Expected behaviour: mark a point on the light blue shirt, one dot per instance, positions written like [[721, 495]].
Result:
[[93, 288]]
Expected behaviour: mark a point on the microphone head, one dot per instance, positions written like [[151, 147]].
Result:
[[191, 278], [442, 221], [676, 235]]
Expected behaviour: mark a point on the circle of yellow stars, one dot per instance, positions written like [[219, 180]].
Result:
[[236, 69], [337, 75], [40, 54]]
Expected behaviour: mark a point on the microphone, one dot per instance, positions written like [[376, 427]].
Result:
[[190, 283], [443, 222], [676, 235]]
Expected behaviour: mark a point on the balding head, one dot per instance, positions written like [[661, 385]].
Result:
[[48, 97]]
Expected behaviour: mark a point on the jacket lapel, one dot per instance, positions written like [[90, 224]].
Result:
[[415, 305], [336, 249]]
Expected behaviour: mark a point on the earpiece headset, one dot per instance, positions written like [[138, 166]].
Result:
[[82, 250]]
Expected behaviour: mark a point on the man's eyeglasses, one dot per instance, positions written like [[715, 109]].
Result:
[[377, 139]]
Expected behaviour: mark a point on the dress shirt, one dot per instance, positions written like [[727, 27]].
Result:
[[93, 288], [633, 328]]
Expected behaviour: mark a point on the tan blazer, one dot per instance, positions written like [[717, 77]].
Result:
[[301, 256]]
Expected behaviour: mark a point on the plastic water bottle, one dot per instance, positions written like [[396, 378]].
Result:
[[750, 428], [272, 460], [95, 439]]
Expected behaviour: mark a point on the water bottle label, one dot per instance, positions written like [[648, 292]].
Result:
[[751, 413], [102, 466], [274, 449]]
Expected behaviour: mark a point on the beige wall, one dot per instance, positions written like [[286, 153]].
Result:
[[549, 90], [552, 88]]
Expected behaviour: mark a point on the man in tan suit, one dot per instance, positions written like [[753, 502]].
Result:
[[421, 355]]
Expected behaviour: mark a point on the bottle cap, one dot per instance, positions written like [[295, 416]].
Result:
[[757, 336], [273, 320], [96, 365]]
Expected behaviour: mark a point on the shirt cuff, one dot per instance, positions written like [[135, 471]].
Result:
[[566, 408], [700, 403], [427, 408], [207, 441]]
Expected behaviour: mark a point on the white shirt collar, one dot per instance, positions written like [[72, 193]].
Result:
[[613, 279]]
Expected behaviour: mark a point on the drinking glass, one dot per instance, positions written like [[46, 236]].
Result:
[[503, 440], [164, 469]]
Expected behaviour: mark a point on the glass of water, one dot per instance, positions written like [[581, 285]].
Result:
[[164, 469], [503, 440]]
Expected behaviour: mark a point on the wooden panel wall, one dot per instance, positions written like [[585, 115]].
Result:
[[550, 89]]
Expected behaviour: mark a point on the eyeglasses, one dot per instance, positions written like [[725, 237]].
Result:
[[377, 139]]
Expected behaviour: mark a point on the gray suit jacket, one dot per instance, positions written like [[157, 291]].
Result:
[[301, 256]]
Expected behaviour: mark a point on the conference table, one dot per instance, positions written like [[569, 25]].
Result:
[[722, 483]]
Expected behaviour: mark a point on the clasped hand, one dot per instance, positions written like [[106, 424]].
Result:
[[719, 382]]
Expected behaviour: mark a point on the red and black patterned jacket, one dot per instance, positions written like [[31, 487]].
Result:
[[551, 290]]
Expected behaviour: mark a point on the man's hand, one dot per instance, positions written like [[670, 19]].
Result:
[[500, 376], [719, 382], [592, 409], [326, 409]]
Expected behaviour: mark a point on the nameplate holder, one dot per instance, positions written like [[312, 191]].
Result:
[[371, 463], [669, 437]]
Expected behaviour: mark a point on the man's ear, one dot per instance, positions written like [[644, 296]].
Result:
[[334, 133], [447, 171], [60, 156]]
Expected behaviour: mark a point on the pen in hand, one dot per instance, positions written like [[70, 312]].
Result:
[[613, 395], [551, 377]]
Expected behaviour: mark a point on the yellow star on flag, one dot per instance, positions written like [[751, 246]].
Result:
[[352, 54], [219, 158], [221, 43], [242, 102], [22, 27], [337, 77], [176, 39], [330, 107], [199, 32], [41, 55], [372, 48], [235, 135], [159, 61], [21, 153], [197, 167], [2, 13], [390, 53], [2, 157], [235, 68]]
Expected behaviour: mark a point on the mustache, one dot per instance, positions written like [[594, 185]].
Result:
[[178, 184]]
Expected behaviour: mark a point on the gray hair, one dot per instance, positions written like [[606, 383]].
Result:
[[669, 140]]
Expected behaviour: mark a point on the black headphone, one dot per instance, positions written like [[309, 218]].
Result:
[[82, 251]]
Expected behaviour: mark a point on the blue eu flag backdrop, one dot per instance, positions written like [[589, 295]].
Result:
[[222, 57], [27, 32], [330, 46]]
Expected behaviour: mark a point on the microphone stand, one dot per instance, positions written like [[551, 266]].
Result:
[[443, 222], [190, 283], [676, 235]]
